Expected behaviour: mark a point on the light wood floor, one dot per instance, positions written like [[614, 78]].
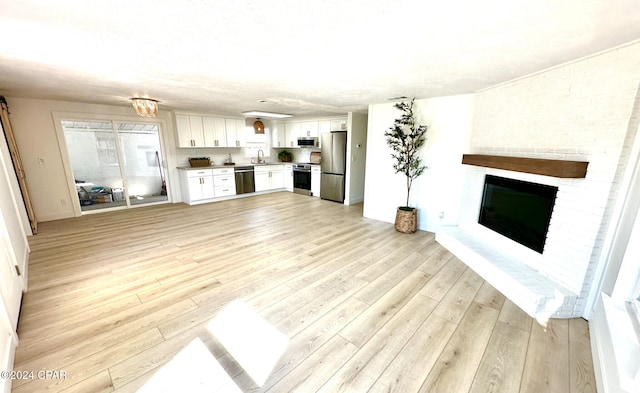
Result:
[[112, 297]]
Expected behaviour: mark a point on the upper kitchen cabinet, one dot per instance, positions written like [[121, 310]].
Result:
[[215, 131], [190, 131], [324, 126], [309, 129], [236, 132], [292, 132], [278, 138], [339, 125], [209, 131]]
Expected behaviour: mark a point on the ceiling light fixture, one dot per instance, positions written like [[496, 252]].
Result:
[[258, 126], [145, 107], [266, 114]]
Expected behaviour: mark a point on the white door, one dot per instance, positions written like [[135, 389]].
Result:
[[262, 181], [184, 131], [288, 177], [11, 292], [241, 133], [197, 132], [276, 180], [292, 131], [195, 188], [207, 187], [230, 125]]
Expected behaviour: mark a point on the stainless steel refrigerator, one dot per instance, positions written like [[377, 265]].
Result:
[[333, 165]]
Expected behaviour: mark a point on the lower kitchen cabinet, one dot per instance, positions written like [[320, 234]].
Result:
[[287, 175], [224, 182], [315, 180], [197, 185], [207, 184], [269, 177]]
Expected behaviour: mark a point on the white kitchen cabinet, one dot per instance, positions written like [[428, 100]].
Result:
[[261, 180], [241, 133], [287, 175], [224, 182], [183, 130], [278, 138], [236, 132], [215, 131], [309, 129], [268, 177], [315, 180], [324, 127], [197, 185], [292, 132], [339, 125], [190, 131], [277, 177], [227, 171]]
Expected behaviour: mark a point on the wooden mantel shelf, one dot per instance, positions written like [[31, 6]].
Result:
[[556, 168]]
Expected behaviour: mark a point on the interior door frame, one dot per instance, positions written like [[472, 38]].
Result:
[[17, 165], [58, 117]]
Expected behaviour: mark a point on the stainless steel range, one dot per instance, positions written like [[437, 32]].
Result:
[[302, 178]]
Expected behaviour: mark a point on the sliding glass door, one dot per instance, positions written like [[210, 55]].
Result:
[[115, 164]]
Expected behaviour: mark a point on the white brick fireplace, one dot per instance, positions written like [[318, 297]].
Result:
[[551, 284], [586, 110]]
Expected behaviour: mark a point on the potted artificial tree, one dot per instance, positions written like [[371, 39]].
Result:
[[406, 138]]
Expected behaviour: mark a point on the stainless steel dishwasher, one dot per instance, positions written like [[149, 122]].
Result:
[[244, 179]]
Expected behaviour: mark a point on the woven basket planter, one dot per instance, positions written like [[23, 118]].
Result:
[[195, 162], [406, 221]]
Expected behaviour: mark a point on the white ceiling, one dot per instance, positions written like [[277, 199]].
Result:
[[309, 57]]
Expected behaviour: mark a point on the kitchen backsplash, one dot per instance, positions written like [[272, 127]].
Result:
[[219, 156]]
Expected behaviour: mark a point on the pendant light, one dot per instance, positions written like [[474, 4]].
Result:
[[145, 107], [258, 126]]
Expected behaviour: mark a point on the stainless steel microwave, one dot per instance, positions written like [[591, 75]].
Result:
[[307, 141]]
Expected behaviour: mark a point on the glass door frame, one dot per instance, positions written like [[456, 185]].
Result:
[[59, 117]]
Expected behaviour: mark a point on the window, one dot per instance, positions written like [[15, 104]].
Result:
[[257, 142], [107, 149]]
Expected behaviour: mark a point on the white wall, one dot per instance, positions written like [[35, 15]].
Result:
[[35, 134], [439, 189], [356, 157]]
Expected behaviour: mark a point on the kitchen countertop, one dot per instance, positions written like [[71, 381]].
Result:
[[230, 166]]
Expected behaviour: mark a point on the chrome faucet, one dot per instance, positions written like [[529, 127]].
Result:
[[259, 160]]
